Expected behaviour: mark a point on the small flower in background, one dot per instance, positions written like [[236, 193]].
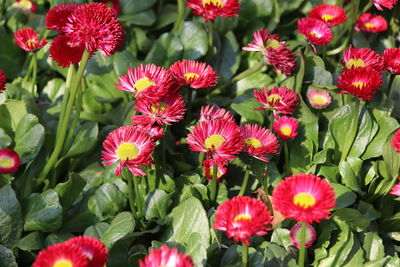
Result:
[[3, 81], [259, 141], [391, 59], [194, 74], [214, 112], [260, 41], [92, 248], [61, 254], [281, 100], [28, 40], [26, 6], [371, 23], [360, 82], [330, 14], [220, 139], [396, 141], [156, 132], [57, 17], [113, 4], [386, 3], [304, 198], [396, 189], [316, 31], [129, 146], [166, 256], [319, 99], [242, 218], [64, 54], [9, 160], [354, 57], [311, 235], [210, 9], [208, 165], [286, 127]]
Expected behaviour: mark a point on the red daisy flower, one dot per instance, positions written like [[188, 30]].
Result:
[[95, 27], [221, 139], [113, 4], [214, 112], [208, 165], [319, 99], [330, 14], [286, 127], [304, 197], [26, 6], [311, 235], [371, 23], [280, 100], [386, 3], [363, 57], [209, 9], [64, 54], [166, 256], [242, 217], [129, 146], [57, 17], [9, 160], [194, 74], [61, 254], [149, 81], [391, 59], [170, 108], [3, 81], [259, 141], [396, 141], [94, 250], [316, 31], [28, 40], [396, 189], [361, 82]]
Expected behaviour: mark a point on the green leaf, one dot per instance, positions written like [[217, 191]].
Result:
[[281, 237], [353, 218], [32, 241], [11, 223], [11, 56], [276, 255], [373, 246], [350, 170], [340, 124], [121, 226], [157, 203], [108, 199], [84, 141], [244, 105], [196, 250], [43, 212], [165, 51], [69, 191], [368, 210], [57, 237], [135, 6], [11, 113], [7, 258], [54, 89], [229, 58], [194, 39], [344, 196], [97, 230], [5, 140], [252, 81]]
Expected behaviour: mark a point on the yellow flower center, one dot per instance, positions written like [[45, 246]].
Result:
[[286, 130], [242, 217], [63, 263], [214, 141], [319, 99], [143, 84], [304, 200], [327, 17], [315, 34], [254, 142], [127, 151], [369, 25], [359, 85], [355, 63], [191, 75], [6, 163], [274, 98], [26, 4], [217, 3], [31, 42], [273, 44], [159, 108]]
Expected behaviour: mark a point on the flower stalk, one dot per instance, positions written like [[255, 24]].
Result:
[[245, 254], [245, 181], [302, 244], [213, 193]]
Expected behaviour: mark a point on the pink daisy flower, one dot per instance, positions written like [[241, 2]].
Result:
[[64, 54], [396, 189], [316, 31], [354, 57], [9, 160], [396, 141], [28, 40], [386, 3], [166, 256], [3, 81], [214, 112], [391, 59], [57, 17], [280, 100], [311, 235], [210, 9], [330, 14], [371, 23], [208, 165], [319, 99], [156, 132], [94, 250], [194, 74], [286, 127], [61, 254]]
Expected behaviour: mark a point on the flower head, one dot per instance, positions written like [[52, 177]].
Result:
[[221, 139], [319, 99], [214, 112], [26, 6], [396, 189], [94, 250], [242, 217], [166, 256], [3, 81], [304, 197], [156, 132], [208, 165], [391, 59], [259, 141], [316, 31], [354, 57], [396, 141], [194, 74], [210, 9], [57, 17], [28, 40], [9, 160], [361, 82], [64, 54], [286, 127], [130, 146], [113, 4], [311, 235], [330, 14], [386, 3], [371, 23], [280, 100], [61, 254]]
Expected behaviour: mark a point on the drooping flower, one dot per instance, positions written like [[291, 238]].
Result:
[[391, 59], [330, 14], [386, 3], [128, 146], [396, 189], [286, 127], [26, 6], [319, 99], [3, 81], [167, 109], [149, 81], [9, 160], [214, 112], [261, 39], [259, 141], [156, 132], [316, 31], [166, 256], [61, 254], [396, 141], [208, 165], [57, 17], [194, 74], [304, 198], [92, 248], [28, 40], [64, 54], [280, 100], [360, 82], [210, 9], [371, 23], [242, 217], [354, 57], [113, 4], [95, 27], [221, 139], [311, 235]]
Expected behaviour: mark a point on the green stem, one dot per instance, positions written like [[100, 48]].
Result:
[[34, 74], [164, 148], [201, 158], [368, 6], [353, 131], [213, 194], [181, 16], [29, 71], [70, 75], [189, 105], [138, 199], [302, 244], [286, 152], [210, 37], [307, 49], [129, 177], [2, 8], [245, 254], [245, 181]]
